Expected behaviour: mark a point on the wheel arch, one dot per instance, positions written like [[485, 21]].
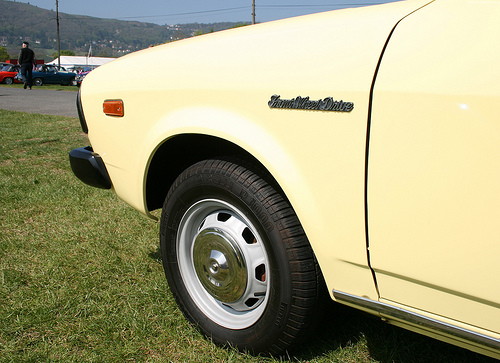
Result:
[[237, 139], [179, 153]]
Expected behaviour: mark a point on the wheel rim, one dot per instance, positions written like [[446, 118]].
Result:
[[223, 263]]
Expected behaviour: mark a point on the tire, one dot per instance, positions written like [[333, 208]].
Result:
[[237, 260], [8, 80], [37, 81], [72, 82]]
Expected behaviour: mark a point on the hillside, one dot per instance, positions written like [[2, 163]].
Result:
[[108, 37]]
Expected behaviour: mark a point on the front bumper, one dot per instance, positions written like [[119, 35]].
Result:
[[89, 167]]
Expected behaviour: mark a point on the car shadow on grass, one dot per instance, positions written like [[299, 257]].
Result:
[[344, 327], [385, 343], [156, 255]]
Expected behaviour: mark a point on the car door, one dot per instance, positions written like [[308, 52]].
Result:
[[50, 74], [433, 196]]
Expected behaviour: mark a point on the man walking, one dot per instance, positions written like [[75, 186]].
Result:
[[27, 61]]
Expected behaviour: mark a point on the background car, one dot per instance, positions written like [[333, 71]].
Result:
[[81, 75], [49, 74], [8, 74]]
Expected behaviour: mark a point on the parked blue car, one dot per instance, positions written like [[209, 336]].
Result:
[[50, 74]]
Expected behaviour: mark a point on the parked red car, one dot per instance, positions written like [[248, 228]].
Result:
[[8, 74]]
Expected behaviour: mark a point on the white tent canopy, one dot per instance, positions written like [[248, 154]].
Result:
[[87, 62]]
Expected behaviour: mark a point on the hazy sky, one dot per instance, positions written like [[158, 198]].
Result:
[[196, 11]]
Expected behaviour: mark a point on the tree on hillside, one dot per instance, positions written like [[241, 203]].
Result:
[[64, 52], [3, 54]]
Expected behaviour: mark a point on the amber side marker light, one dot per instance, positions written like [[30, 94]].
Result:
[[113, 108]]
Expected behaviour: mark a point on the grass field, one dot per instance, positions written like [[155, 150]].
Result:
[[53, 87], [81, 278]]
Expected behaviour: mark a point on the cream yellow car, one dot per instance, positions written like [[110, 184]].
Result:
[[352, 153]]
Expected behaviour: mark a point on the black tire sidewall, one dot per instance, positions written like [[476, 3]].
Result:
[[208, 185]]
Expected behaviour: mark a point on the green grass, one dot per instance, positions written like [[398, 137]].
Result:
[[54, 87], [81, 278]]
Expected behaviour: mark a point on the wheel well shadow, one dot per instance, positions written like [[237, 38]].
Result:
[[180, 152]]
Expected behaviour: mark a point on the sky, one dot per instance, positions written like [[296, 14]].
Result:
[[196, 11]]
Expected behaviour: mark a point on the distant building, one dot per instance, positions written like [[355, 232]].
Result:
[[81, 62]]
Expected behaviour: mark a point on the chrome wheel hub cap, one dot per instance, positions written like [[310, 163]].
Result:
[[219, 265]]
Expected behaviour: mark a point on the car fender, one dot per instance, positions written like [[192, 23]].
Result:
[[230, 96]]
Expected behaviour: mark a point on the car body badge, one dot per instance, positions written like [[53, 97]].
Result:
[[305, 103]]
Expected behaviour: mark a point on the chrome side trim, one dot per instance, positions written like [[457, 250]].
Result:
[[417, 320]]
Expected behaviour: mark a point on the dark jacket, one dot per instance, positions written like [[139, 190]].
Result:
[[26, 56]]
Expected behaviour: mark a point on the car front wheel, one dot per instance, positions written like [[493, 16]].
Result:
[[37, 81], [237, 259], [8, 80]]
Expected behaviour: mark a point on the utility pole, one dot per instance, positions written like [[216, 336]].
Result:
[[58, 42], [253, 11]]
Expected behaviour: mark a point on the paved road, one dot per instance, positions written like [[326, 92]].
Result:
[[38, 100]]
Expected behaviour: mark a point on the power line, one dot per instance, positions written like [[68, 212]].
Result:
[[189, 13], [317, 5], [252, 7]]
